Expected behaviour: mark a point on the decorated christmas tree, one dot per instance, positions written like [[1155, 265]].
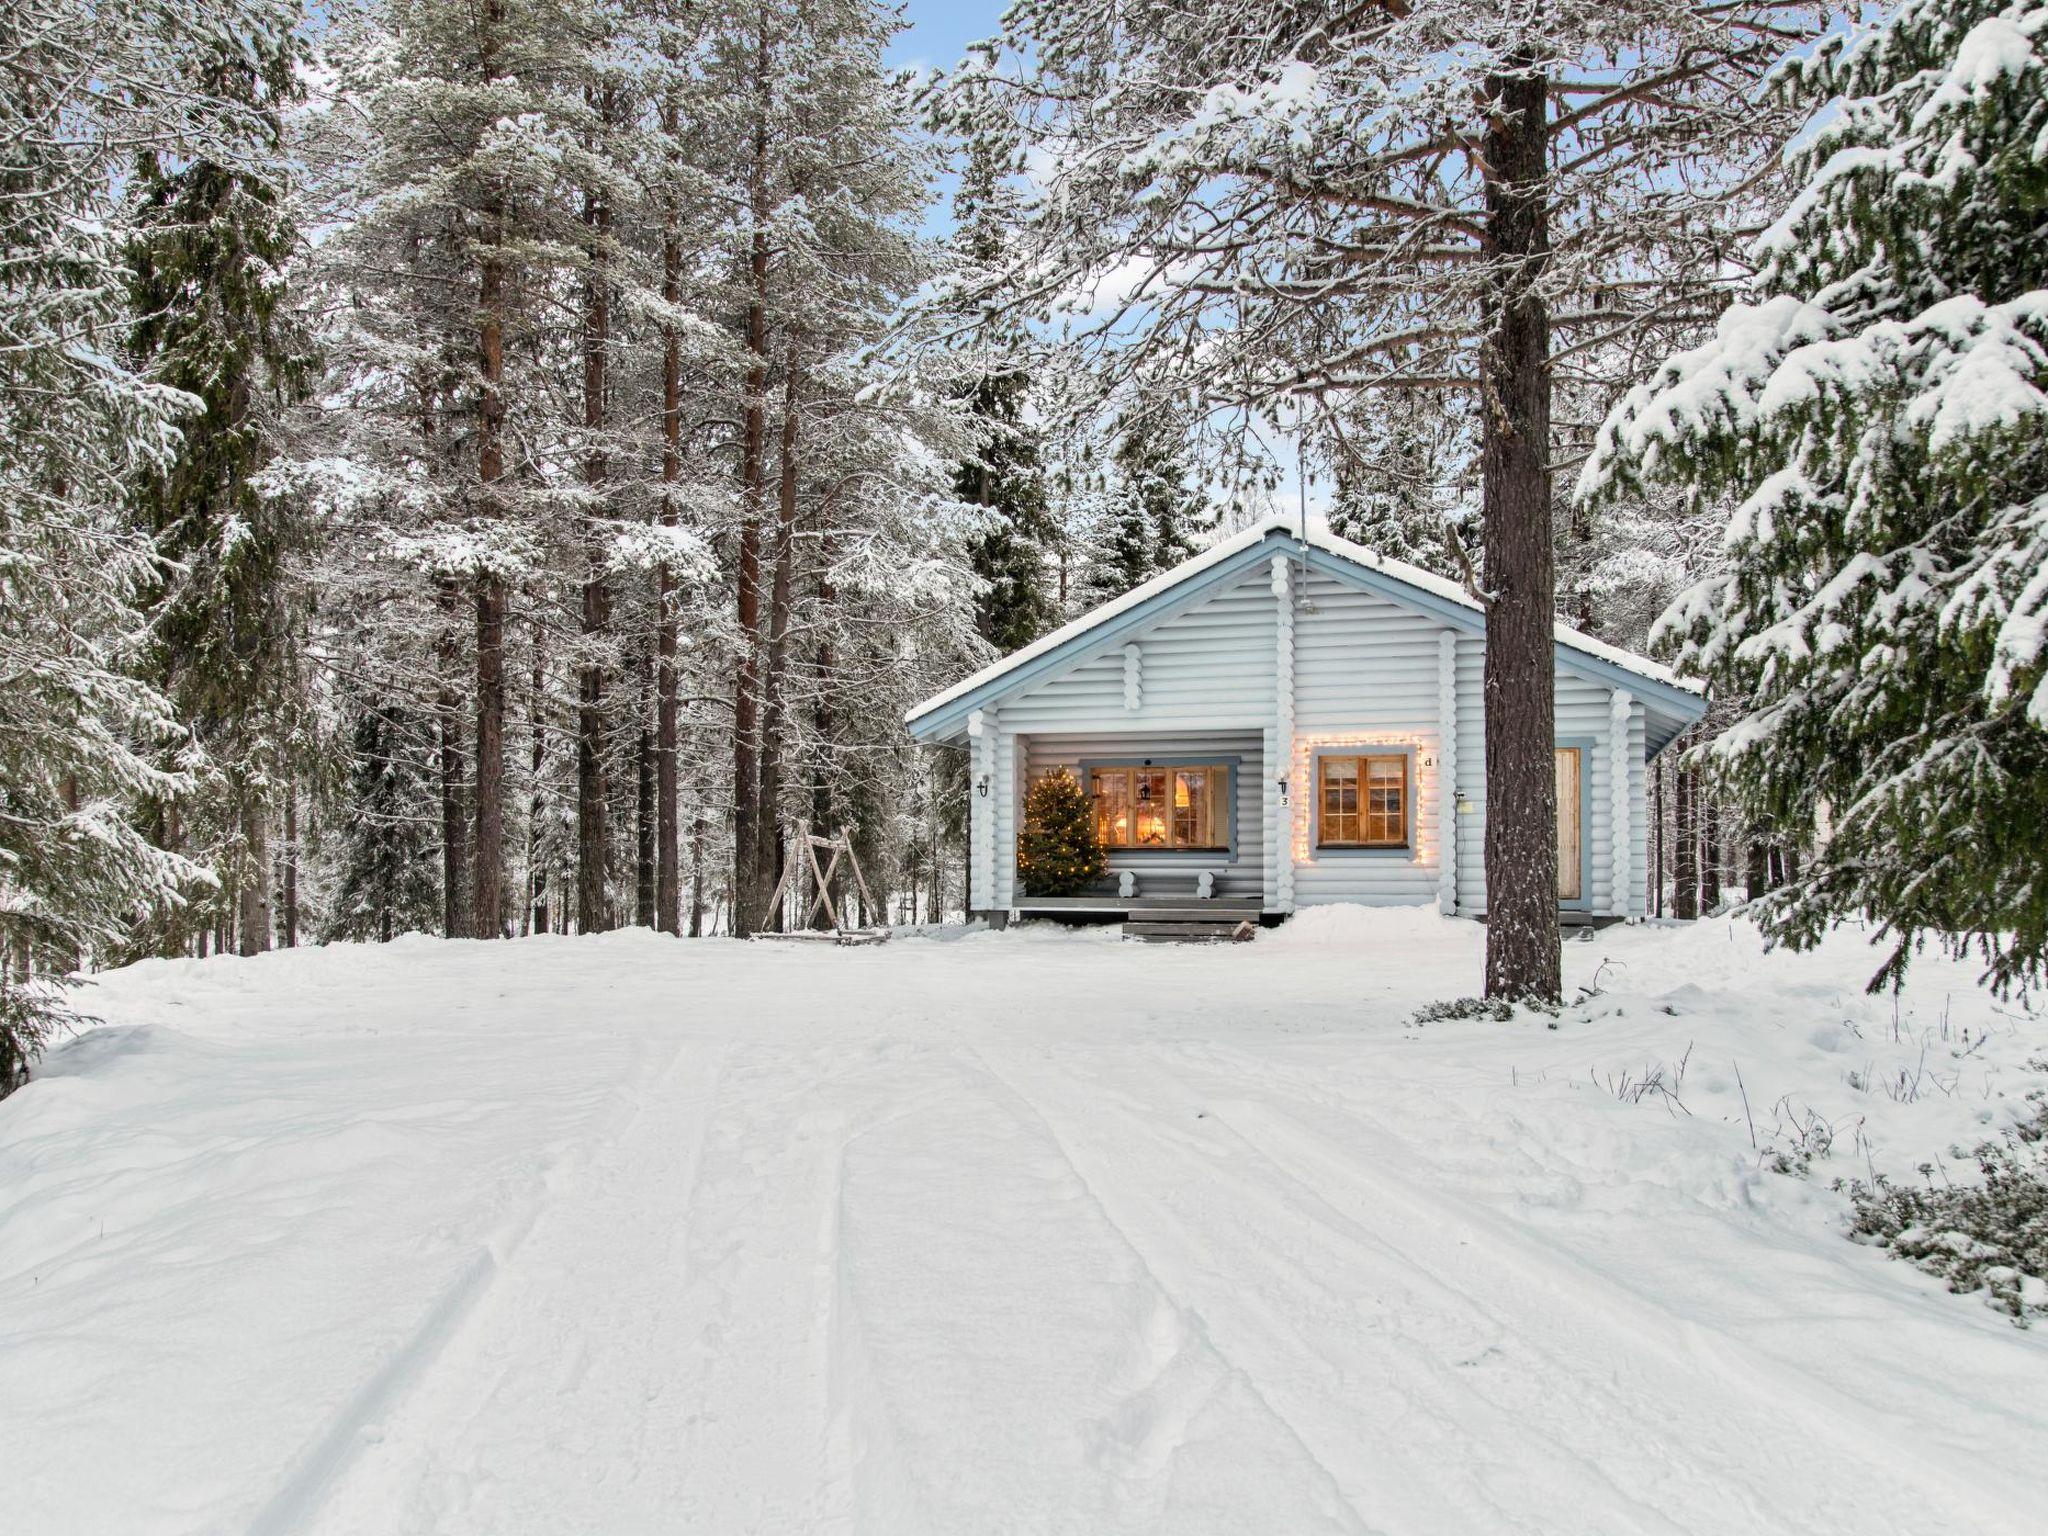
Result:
[[1057, 854], [1874, 417]]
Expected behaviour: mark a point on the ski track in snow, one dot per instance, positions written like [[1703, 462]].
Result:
[[1019, 1234]]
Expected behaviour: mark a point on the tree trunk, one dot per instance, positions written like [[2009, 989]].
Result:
[[455, 922], [1522, 956], [824, 724], [487, 879], [1685, 869], [781, 595], [253, 905], [1757, 878], [536, 798], [668, 873], [592, 802], [747, 889], [643, 866], [487, 875], [291, 862], [697, 876], [1710, 849]]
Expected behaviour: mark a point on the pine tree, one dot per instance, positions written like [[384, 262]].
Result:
[[1057, 854], [1876, 415]]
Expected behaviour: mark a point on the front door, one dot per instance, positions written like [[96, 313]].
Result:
[[1569, 832]]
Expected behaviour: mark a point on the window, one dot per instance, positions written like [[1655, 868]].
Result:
[[1362, 800], [1168, 807], [1569, 853]]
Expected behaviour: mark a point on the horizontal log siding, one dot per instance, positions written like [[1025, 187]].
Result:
[[1207, 665], [1175, 875], [1365, 668], [1582, 714]]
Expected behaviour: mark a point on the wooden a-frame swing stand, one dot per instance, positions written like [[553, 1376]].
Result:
[[804, 856]]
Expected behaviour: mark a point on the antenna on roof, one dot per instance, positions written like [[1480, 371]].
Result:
[[1301, 463]]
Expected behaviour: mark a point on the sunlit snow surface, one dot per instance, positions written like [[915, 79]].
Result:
[[1017, 1233]]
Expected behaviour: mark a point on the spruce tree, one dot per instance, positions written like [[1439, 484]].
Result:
[[1057, 854], [388, 882], [1155, 519], [208, 259], [1004, 477], [1875, 414], [1399, 481], [84, 736]]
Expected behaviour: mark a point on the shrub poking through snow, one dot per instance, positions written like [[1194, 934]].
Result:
[[1493, 1008], [1057, 854], [1990, 1237]]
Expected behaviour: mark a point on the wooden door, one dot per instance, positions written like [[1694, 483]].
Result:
[[1570, 835]]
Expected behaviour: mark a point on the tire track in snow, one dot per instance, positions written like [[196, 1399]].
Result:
[[1574, 1298], [1532, 1467], [1345, 1514], [432, 1402]]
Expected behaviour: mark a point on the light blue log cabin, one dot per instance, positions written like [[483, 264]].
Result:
[[1302, 721]]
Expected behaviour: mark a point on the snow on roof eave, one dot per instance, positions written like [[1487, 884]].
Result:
[[1318, 536]]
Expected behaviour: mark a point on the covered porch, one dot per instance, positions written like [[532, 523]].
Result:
[[1170, 809]]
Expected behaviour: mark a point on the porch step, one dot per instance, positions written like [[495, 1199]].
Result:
[[1194, 912], [1152, 930]]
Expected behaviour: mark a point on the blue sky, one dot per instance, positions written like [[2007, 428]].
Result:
[[937, 36], [940, 30]]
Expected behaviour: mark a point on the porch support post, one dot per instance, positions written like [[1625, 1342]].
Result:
[[1281, 770], [1008, 796], [1447, 772], [981, 813], [1619, 714]]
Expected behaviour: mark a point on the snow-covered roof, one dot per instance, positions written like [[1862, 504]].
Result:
[[1315, 533]]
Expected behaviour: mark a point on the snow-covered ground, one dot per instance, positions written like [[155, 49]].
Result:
[[1027, 1232]]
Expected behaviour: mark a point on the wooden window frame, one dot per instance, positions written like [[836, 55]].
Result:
[[1364, 755], [1224, 828]]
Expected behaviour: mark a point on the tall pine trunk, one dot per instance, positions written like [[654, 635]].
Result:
[[487, 874], [291, 862], [1685, 863], [781, 596], [592, 808], [747, 889], [697, 876], [1710, 849], [668, 873], [454, 815], [824, 722], [1522, 958], [536, 795], [643, 808]]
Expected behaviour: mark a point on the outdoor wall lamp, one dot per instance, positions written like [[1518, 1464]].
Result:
[[981, 786], [1281, 785]]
